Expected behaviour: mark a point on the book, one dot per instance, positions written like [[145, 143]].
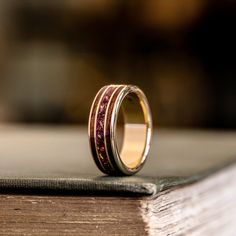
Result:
[[49, 185]]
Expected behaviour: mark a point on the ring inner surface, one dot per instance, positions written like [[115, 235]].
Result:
[[131, 131]]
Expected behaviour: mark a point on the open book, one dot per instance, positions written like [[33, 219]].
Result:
[[187, 186]]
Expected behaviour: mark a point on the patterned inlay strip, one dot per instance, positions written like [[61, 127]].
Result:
[[92, 119], [99, 138], [108, 124], [99, 129]]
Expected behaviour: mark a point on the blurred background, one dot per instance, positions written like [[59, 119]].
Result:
[[55, 56]]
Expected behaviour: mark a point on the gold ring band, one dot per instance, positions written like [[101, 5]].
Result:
[[120, 129]]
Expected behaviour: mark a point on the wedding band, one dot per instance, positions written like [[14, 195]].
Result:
[[120, 128]]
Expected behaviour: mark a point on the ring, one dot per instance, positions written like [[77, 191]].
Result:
[[120, 129]]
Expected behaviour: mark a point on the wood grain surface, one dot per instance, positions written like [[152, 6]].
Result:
[[70, 215]]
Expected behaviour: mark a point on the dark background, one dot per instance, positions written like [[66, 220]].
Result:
[[55, 55]]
